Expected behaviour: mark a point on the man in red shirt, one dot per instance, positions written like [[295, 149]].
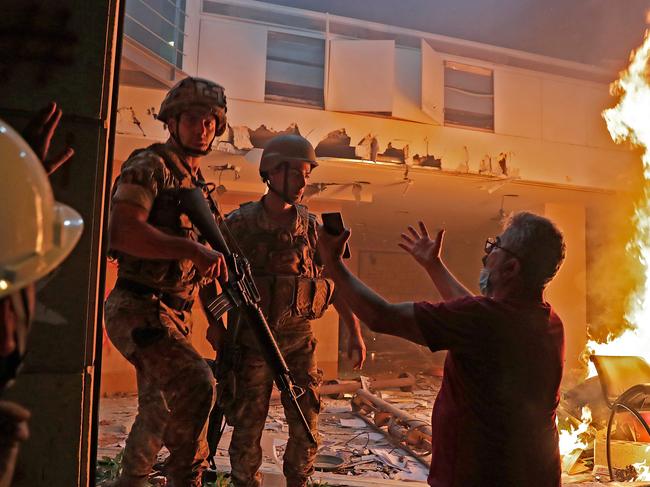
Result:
[[494, 419]]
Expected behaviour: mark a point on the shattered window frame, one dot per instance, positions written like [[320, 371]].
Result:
[[289, 58], [469, 96]]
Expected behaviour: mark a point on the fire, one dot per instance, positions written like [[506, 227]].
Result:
[[576, 438], [629, 120], [642, 470]]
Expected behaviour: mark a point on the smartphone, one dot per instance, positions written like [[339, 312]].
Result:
[[333, 223]]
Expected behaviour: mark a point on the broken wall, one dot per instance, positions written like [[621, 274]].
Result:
[[581, 158]]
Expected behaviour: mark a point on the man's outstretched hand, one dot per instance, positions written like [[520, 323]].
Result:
[[39, 133], [425, 251]]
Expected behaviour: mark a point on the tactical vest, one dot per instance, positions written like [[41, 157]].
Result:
[[165, 212], [172, 276], [283, 263]]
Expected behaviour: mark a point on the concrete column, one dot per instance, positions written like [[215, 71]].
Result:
[[567, 293], [64, 50]]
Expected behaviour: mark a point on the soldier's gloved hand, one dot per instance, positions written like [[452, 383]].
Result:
[[210, 263], [39, 133]]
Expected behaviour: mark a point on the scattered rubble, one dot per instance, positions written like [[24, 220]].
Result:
[[584, 442], [402, 429], [336, 388], [368, 452]]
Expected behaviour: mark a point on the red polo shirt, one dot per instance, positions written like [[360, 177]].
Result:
[[494, 419]]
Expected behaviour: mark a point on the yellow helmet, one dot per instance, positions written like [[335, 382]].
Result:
[[37, 232]]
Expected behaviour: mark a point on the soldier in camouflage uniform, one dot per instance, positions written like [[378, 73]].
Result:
[[278, 236], [161, 264]]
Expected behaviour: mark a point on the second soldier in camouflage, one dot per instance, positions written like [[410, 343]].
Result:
[[278, 236]]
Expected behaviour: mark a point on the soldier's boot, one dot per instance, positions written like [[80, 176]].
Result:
[[256, 481], [296, 482], [127, 481], [300, 453], [248, 414], [183, 482]]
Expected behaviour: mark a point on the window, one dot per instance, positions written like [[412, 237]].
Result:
[[469, 96], [158, 25], [295, 69]]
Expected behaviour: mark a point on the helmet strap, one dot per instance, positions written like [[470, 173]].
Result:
[[188, 150], [283, 194]]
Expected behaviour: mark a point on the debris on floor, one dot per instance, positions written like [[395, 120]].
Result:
[[377, 449]]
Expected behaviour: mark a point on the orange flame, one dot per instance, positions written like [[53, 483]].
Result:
[[629, 120], [642, 469], [575, 438]]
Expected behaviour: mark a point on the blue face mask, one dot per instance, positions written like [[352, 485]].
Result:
[[484, 281]]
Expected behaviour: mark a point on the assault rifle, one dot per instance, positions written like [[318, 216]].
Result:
[[241, 293]]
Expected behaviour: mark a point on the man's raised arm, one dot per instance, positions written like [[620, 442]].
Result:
[[427, 253], [377, 313]]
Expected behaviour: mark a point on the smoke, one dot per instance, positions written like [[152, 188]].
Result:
[[613, 270]]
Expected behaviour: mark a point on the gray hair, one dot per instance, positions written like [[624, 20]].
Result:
[[539, 245]]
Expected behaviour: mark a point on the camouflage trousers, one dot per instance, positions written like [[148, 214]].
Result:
[[249, 406], [175, 389]]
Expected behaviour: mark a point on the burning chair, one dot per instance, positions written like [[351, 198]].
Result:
[[625, 382]]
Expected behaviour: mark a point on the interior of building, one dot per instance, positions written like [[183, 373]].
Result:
[[417, 112]]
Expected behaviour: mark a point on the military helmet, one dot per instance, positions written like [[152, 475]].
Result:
[[192, 93], [38, 232], [284, 148]]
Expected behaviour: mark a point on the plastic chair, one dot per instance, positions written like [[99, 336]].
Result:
[[625, 381]]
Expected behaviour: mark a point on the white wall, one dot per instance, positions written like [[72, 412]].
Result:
[[537, 159], [517, 104], [407, 94], [564, 112], [361, 76], [234, 54], [552, 124]]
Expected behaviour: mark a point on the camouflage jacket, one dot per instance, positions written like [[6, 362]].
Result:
[[148, 179]]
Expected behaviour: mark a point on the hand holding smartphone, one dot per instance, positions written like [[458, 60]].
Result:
[[333, 224]]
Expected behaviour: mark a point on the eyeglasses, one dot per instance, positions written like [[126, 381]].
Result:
[[495, 243]]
